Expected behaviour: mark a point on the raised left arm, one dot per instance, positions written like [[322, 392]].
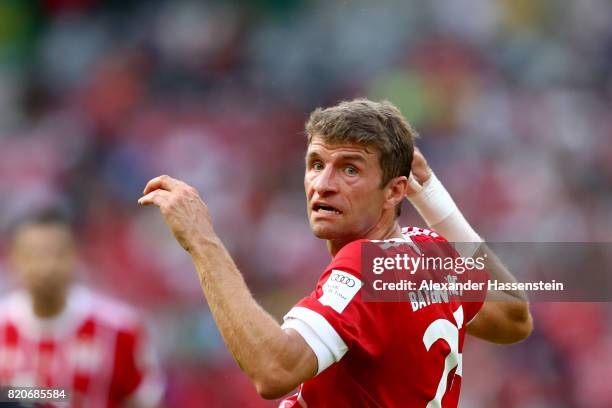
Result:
[[504, 318]]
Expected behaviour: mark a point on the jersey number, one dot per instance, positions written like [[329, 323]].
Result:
[[443, 329]]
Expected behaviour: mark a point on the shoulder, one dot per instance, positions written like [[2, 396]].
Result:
[[10, 304], [348, 258], [417, 234], [429, 241], [107, 311], [351, 250]]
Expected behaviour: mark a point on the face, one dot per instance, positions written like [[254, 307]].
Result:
[[343, 193], [44, 258]]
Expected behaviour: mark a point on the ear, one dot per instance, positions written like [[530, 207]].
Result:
[[395, 191]]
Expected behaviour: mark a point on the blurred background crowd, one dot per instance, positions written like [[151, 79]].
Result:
[[512, 99]]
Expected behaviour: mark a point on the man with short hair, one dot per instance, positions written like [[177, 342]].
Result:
[[339, 349], [57, 334]]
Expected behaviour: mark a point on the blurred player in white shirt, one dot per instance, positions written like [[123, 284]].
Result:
[[57, 334]]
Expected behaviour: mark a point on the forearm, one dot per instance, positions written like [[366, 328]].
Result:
[[504, 317], [497, 271], [442, 214], [250, 333]]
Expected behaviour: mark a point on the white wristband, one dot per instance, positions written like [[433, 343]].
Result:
[[433, 202], [439, 211]]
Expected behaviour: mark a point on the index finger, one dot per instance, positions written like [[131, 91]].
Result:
[[162, 182]]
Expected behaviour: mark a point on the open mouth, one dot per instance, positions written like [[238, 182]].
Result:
[[325, 209]]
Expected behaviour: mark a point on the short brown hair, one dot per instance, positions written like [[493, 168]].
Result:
[[372, 124], [46, 216]]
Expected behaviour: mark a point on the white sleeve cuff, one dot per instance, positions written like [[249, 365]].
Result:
[[320, 336], [325, 358]]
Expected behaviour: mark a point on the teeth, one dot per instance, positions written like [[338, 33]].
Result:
[[327, 209]]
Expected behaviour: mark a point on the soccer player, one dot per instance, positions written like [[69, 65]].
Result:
[[336, 348], [57, 334]]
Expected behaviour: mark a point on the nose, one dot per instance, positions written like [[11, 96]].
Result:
[[325, 182]]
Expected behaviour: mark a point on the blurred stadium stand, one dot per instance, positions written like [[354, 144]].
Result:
[[512, 99]]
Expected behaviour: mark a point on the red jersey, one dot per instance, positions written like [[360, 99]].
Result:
[[96, 349], [378, 354]]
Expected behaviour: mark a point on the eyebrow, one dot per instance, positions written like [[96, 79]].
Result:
[[345, 157], [310, 155], [353, 157]]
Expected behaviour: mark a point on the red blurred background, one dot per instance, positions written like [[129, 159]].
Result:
[[512, 100]]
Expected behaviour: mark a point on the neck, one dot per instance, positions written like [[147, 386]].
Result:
[[48, 306], [392, 230]]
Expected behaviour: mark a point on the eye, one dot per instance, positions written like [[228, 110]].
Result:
[[350, 171], [317, 165]]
